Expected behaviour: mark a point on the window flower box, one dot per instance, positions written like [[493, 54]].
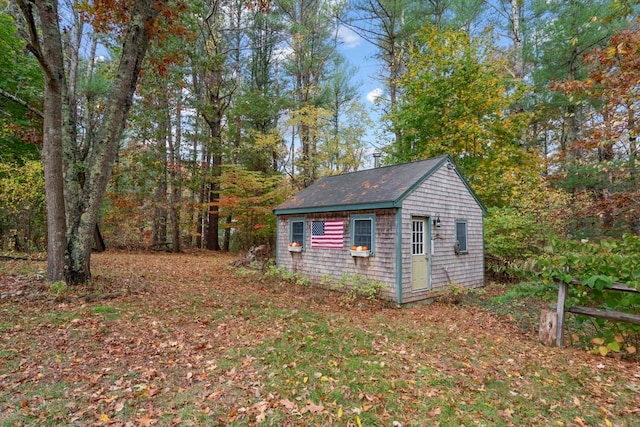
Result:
[[296, 248], [361, 253]]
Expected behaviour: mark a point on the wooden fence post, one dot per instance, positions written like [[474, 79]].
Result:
[[562, 296], [547, 333], [547, 317]]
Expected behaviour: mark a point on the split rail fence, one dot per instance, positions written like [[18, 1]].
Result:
[[552, 322]]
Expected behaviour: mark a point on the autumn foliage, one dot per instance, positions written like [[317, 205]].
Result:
[[112, 16], [606, 168]]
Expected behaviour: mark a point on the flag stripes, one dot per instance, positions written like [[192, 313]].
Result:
[[327, 234]]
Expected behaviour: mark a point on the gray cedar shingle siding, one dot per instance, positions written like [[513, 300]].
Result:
[[318, 264], [445, 195], [426, 189]]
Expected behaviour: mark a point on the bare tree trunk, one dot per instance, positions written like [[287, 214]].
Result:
[[632, 127], [52, 160], [516, 21], [49, 55], [213, 216], [174, 175], [204, 199], [104, 151], [226, 243], [159, 236], [194, 237], [72, 205]]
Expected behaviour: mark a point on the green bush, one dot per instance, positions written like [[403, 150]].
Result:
[[512, 236], [22, 206], [598, 265]]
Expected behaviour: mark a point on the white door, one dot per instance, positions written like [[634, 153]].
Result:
[[420, 247]]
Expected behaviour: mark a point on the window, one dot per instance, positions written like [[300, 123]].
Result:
[[417, 237], [296, 231], [461, 237], [363, 231]]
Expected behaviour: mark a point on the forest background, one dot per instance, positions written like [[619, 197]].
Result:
[[239, 104]]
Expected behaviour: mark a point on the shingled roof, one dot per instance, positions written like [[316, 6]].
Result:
[[377, 188]]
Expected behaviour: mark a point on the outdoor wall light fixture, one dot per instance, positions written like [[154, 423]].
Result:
[[436, 222]]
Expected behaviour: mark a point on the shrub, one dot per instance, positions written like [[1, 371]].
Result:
[[597, 265]]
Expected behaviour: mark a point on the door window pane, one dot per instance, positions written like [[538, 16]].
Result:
[[417, 237]]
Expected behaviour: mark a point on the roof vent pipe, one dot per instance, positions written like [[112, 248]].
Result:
[[376, 160]]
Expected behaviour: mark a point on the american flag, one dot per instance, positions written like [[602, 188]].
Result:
[[327, 234]]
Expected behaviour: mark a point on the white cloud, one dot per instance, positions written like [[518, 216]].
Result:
[[348, 38], [373, 96]]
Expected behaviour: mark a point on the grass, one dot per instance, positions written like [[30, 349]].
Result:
[[521, 303], [241, 349]]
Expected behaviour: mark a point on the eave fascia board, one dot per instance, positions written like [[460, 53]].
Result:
[[337, 208]]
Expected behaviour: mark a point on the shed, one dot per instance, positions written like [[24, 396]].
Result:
[[415, 227]]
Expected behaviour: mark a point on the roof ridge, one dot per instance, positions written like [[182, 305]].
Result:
[[430, 159]]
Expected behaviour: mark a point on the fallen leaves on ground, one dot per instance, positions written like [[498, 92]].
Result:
[[161, 339]]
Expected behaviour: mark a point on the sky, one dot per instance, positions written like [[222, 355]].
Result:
[[360, 54]]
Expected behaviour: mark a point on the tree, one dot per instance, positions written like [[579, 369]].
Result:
[[214, 87], [20, 97], [608, 170], [22, 221], [343, 149], [74, 186], [560, 34], [249, 197], [311, 48], [389, 25], [258, 144], [456, 100]]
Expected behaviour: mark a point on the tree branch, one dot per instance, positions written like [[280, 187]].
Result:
[[21, 102]]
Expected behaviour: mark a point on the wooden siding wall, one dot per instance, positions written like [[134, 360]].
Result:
[[445, 195], [316, 263]]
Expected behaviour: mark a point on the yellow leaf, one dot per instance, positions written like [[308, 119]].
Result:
[[358, 421], [608, 423], [305, 379], [597, 341], [340, 412], [603, 350], [104, 418]]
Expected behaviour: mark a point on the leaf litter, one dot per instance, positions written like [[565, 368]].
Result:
[[185, 340]]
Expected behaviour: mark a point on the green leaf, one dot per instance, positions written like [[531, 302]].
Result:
[[598, 282], [613, 346]]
